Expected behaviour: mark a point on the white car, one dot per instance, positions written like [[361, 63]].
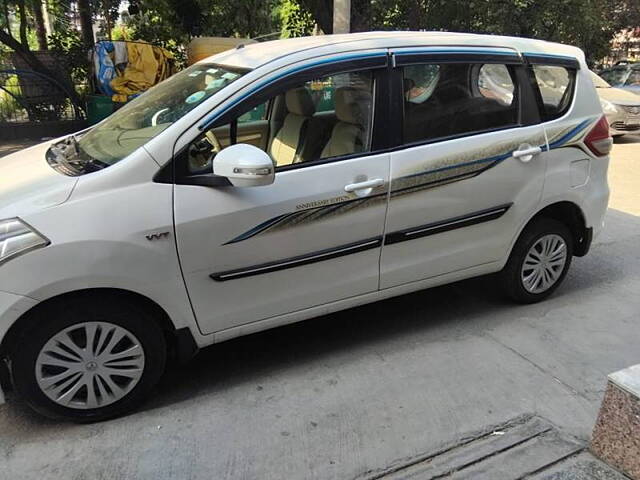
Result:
[[285, 180]]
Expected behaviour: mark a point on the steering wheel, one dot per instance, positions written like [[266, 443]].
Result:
[[156, 116], [213, 140]]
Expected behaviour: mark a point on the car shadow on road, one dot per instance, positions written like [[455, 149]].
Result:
[[625, 139]]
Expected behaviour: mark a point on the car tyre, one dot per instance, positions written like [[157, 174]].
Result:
[[544, 271], [142, 350]]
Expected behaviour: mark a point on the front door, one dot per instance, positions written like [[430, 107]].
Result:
[[472, 166], [313, 236]]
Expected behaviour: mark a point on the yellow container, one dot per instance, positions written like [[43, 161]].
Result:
[[203, 47]]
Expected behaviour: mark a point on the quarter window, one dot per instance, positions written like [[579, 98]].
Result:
[[556, 89], [443, 100]]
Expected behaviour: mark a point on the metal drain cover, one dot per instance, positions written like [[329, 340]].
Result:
[[522, 447]]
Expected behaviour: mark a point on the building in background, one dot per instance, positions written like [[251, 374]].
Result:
[[625, 46]]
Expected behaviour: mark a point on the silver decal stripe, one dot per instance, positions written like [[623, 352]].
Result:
[[298, 261], [448, 171]]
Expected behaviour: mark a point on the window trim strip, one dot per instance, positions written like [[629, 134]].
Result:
[[552, 60], [462, 221], [351, 62], [453, 56]]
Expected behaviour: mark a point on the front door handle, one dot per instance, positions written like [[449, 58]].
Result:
[[369, 184], [526, 152]]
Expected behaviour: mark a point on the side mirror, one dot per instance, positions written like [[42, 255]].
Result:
[[244, 165]]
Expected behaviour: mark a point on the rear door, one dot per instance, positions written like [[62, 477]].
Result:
[[471, 166]]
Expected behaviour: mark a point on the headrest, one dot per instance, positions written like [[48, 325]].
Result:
[[353, 105], [299, 102]]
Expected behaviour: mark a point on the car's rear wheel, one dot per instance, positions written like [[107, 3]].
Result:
[[539, 261], [88, 360]]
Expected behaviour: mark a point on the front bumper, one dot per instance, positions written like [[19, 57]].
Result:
[[623, 122], [12, 307]]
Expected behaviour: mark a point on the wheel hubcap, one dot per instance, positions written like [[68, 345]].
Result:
[[90, 365], [544, 263]]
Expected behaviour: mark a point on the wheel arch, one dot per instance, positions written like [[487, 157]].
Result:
[[180, 341], [571, 215]]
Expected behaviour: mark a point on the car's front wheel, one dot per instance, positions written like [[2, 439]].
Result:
[[88, 359], [539, 261]]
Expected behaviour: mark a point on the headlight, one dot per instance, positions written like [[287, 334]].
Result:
[[16, 237], [608, 107]]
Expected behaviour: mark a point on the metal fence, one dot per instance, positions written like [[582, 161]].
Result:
[[27, 96]]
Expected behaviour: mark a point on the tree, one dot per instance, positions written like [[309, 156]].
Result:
[[86, 23], [589, 25], [41, 29], [22, 48]]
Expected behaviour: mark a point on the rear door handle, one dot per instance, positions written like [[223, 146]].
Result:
[[526, 152], [354, 187]]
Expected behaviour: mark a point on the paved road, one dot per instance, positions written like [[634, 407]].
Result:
[[352, 392]]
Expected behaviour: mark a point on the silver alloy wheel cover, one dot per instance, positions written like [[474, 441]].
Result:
[[544, 263], [92, 373]]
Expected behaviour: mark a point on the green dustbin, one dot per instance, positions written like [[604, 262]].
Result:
[[99, 107]]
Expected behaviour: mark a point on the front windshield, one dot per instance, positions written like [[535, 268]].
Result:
[[148, 115], [599, 82], [615, 76], [633, 80]]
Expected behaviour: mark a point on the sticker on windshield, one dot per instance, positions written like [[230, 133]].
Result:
[[196, 73], [196, 97], [217, 83]]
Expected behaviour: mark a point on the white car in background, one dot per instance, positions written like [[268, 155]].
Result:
[[285, 180], [621, 107]]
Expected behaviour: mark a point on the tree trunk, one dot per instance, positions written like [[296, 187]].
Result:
[[322, 11], [23, 24], [415, 15], [86, 23], [5, 8], [41, 29]]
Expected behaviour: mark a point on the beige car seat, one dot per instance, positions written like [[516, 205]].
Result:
[[287, 144], [353, 111]]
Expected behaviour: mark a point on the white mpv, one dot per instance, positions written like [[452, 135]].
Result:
[[284, 180]]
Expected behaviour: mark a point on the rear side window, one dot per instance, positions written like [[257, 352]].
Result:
[[556, 85], [453, 99]]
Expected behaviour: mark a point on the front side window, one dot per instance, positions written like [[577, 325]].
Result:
[[556, 86], [319, 119], [154, 111], [443, 100]]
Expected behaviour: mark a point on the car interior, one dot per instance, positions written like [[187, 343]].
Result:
[[456, 106], [296, 130]]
